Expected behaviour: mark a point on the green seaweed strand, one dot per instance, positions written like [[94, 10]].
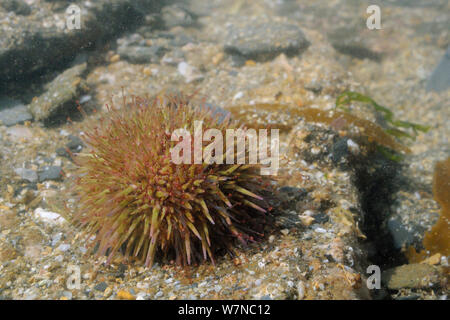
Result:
[[348, 96]]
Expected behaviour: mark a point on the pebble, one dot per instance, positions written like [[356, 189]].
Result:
[[189, 72], [101, 286], [125, 295], [114, 58], [306, 220], [320, 230], [27, 174], [63, 247], [48, 216], [353, 146], [50, 173]]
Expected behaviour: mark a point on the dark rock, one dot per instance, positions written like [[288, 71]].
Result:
[[321, 217], [61, 94], [75, 144], [291, 196], [414, 211], [177, 15], [13, 112], [339, 150], [62, 152], [404, 234], [440, 78], [17, 6], [101, 286], [50, 173], [263, 41]]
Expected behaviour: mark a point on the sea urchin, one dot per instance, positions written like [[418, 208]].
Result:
[[135, 203]]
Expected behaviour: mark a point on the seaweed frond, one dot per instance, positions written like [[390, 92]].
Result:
[[350, 96]]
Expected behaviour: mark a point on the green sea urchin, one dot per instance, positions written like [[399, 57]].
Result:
[[134, 200]]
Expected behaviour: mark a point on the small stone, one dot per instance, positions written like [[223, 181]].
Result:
[[189, 72], [63, 247], [125, 295], [353, 146], [433, 260], [147, 71], [285, 232], [306, 220], [320, 230], [75, 144], [218, 58], [101, 286], [321, 217], [27, 174], [50, 173], [114, 58], [48, 216], [107, 292], [238, 95]]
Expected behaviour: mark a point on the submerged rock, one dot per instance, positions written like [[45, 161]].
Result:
[[41, 42], [264, 40], [416, 275], [61, 94], [13, 112], [50, 173]]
